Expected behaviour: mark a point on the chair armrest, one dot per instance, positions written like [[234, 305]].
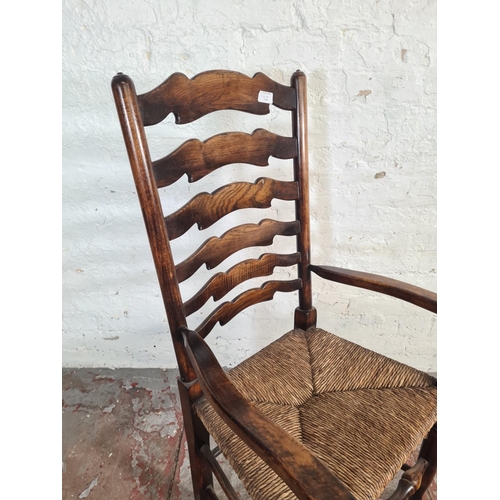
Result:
[[306, 475], [414, 294]]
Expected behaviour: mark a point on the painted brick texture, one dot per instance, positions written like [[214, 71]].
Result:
[[371, 69]]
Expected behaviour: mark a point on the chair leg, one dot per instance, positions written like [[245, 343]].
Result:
[[196, 436], [428, 451]]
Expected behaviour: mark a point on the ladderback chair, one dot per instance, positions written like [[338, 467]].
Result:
[[312, 415]]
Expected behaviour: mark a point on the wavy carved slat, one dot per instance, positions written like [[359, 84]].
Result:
[[197, 159], [222, 283], [216, 249], [227, 311], [190, 99], [205, 209]]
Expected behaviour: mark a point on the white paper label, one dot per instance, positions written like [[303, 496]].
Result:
[[266, 97]]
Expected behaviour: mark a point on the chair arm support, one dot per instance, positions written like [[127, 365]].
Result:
[[306, 475], [410, 293]]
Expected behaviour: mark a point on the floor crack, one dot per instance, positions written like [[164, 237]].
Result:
[[176, 466]]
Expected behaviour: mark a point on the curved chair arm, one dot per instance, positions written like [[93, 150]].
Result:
[[306, 475], [414, 294]]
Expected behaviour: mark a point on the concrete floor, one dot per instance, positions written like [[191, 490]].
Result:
[[123, 439]]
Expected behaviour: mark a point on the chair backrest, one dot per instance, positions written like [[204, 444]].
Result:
[[190, 99]]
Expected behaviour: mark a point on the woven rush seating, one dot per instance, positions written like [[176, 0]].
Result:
[[362, 415]]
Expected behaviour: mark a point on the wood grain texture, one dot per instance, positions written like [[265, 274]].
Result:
[[305, 314], [196, 436], [210, 493], [140, 161], [205, 209], [410, 293], [428, 451], [222, 283], [227, 311], [305, 319], [197, 159], [219, 473], [216, 249], [190, 99], [410, 481], [305, 474]]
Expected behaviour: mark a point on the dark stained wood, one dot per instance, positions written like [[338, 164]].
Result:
[[428, 451], [201, 375], [307, 476], [190, 99], [222, 283], [197, 437], [301, 175], [219, 474], [211, 493], [227, 311], [216, 249], [305, 319], [410, 293], [410, 481], [197, 159], [205, 209], [140, 161]]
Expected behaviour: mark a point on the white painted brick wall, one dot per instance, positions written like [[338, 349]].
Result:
[[371, 68]]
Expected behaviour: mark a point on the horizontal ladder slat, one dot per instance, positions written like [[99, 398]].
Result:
[[205, 209], [227, 311], [216, 249], [190, 99], [222, 283], [197, 159]]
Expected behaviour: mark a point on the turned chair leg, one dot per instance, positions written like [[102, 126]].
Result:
[[428, 451], [196, 437]]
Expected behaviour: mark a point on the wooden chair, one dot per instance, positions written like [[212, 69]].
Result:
[[312, 415]]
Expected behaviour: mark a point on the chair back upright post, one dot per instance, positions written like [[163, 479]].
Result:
[[140, 161], [305, 314]]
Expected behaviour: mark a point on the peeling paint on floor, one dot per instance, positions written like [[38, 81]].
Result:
[[85, 493], [121, 428]]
